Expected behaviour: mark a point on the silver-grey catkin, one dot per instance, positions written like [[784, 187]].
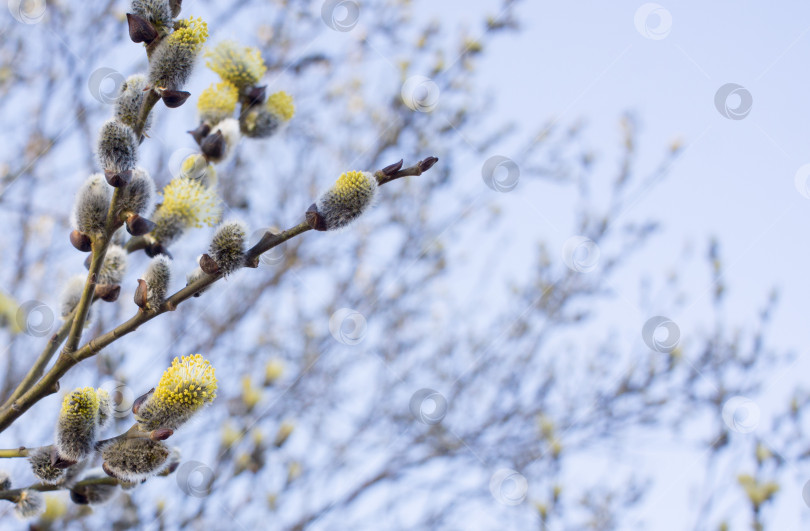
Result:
[[94, 494], [157, 278], [134, 459], [91, 205], [168, 227], [117, 147], [72, 473], [128, 104], [194, 276], [172, 462], [105, 409], [114, 267], [228, 246], [158, 12], [138, 196], [42, 468], [260, 123], [29, 505], [72, 293]]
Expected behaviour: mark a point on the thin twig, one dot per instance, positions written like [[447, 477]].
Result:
[[134, 432], [14, 494], [50, 382], [42, 361], [22, 451]]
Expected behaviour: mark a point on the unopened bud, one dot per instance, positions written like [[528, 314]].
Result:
[[161, 434], [141, 294], [393, 168], [107, 292], [81, 241], [213, 146], [140, 400], [174, 98], [425, 165], [200, 132], [157, 249], [315, 219], [117, 179], [104, 407], [129, 102], [140, 29], [256, 95], [138, 226], [208, 265], [114, 266]]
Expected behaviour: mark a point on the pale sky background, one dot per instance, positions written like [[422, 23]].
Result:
[[734, 180]]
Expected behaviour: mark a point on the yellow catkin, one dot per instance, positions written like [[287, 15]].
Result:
[[81, 404], [189, 382], [191, 32], [192, 202], [281, 104], [350, 182], [242, 66], [218, 101]]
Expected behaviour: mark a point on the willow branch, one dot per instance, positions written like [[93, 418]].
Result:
[[101, 243], [13, 495], [134, 432], [42, 361], [50, 382], [22, 451]]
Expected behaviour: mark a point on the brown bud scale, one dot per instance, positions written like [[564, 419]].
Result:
[[314, 218], [141, 294], [81, 241], [174, 98], [117, 180], [140, 29], [138, 225], [208, 265], [107, 292]]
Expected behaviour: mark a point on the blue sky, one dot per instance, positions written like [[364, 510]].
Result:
[[735, 179]]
